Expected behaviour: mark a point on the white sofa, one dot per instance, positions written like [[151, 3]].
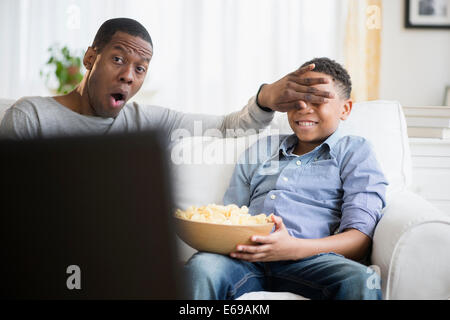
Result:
[[412, 241], [411, 247]]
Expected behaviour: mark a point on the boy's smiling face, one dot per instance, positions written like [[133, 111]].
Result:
[[315, 123]]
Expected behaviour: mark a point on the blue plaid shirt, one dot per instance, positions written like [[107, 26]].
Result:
[[336, 186]]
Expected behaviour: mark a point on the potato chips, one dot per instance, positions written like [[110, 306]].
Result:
[[230, 214]]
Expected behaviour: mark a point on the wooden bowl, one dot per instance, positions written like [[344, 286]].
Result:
[[215, 237]]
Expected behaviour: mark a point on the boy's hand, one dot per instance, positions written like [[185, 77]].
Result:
[[292, 91], [279, 245]]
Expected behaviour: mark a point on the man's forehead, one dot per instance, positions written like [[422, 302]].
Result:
[[131, 44]]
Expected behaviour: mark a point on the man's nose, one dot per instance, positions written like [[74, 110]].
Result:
[[127, 75]]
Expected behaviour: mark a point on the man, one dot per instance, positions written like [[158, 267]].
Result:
[[116, 64]]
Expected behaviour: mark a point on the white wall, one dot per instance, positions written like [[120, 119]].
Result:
[[415, 63], [210, 56]]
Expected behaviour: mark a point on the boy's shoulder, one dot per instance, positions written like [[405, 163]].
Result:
[[352, 144], [351, 141]]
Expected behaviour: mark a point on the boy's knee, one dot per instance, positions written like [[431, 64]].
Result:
[[363, 283], [205, 274], [206, 264], [354, 281]]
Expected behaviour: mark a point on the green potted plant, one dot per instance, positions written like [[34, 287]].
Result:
[[65, 66]]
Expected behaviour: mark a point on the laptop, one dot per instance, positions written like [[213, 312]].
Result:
[[87, 217]]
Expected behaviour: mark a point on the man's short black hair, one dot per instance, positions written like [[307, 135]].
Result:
[[336, 71], [111, 26]]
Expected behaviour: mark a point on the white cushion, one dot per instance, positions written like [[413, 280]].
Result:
[[410, 246], [202, 170], [203, 167], [266, 295]]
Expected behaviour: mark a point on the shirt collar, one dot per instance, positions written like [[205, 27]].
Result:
[[289, 143]]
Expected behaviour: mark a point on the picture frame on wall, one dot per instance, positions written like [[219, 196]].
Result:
[[447, 97], [427, 14]]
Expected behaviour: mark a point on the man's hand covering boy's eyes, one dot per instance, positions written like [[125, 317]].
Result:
[[292, 91]]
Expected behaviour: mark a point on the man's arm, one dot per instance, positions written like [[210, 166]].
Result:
[[16, 125], [287, 93]]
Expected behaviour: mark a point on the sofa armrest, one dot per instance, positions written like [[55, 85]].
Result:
[[410, 246]]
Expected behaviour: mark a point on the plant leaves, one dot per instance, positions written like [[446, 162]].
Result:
[[66, 68]]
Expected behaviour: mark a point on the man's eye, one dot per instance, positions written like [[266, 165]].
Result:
[[140, 69], [118, 59]]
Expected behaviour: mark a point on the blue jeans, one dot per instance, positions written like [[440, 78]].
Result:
[[323, 276]]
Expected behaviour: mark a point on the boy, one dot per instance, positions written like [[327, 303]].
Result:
[[326, 192]]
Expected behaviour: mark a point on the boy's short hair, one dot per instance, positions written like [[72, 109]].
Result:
[[334, 70], [111, 26]]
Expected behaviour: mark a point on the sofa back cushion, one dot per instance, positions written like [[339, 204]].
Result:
[[203, 165], [383, 124]]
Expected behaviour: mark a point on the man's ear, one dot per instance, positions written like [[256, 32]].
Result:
[[346, 109], [89, 58]]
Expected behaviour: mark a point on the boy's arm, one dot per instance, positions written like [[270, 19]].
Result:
[[364, 186], [280, 245], [351, 243], [364, 197]]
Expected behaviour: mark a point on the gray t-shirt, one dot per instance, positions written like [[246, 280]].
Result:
[[43, 117]]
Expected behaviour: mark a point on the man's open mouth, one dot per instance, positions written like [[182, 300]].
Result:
[[118, 96], [117, 99]]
